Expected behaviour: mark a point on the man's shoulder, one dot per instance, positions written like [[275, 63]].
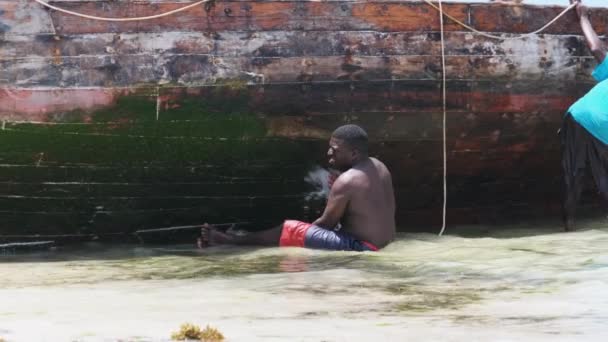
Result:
[[350, 179], [379, 165], [361, 174], [376, 161], [349, 175]]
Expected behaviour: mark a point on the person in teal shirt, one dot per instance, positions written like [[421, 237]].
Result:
[[584, 134]]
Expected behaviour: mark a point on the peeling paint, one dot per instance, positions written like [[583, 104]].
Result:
[[14, 103], [24, 17]]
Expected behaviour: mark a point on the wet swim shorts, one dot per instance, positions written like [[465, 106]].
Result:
[[302, 234]]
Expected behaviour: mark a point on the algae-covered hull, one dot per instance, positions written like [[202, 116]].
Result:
[[217, 113]]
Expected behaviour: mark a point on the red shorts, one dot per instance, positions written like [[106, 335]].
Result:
[[302, 234]]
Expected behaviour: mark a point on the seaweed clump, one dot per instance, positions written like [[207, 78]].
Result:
[[189, 331]]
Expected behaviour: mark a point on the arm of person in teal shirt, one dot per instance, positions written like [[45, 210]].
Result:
[[595, 44]]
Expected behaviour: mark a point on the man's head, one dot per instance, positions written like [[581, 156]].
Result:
[[347, 146]]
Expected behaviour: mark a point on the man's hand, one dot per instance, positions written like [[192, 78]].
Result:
[[581, 9], [593, 41]]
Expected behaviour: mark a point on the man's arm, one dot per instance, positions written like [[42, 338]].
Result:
[[593, 41], [336, 205]]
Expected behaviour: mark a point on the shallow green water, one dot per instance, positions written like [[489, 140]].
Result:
[[532, 283]]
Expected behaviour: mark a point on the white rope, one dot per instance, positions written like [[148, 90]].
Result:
[[46, 4], [444, 82], [429, 2], [440, 9], [444, 107]]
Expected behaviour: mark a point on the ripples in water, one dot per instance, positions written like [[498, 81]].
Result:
[[536, 278]]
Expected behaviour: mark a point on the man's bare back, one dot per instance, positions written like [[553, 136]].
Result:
[[370, 212]]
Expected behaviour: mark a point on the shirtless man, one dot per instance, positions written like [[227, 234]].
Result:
[[361, 199]]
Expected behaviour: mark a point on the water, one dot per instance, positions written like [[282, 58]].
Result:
[[519, 283]]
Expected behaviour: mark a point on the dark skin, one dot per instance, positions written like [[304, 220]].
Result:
[[361, 199], [598, 50]]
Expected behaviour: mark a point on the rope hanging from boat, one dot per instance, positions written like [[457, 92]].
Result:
[[156, 16], [444, 83], [519, 36], [429, 2], [445, 111]]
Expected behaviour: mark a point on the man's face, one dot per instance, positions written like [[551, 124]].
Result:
[[340, 154]]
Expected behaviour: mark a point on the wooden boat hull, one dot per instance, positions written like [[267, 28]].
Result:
[[218, 113]]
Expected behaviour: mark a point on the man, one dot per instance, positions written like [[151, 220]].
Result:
[[584, 134], [361, 199]]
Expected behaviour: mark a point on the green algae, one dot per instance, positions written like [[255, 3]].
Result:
[[427, 300], [203, 267], [190, 331], [211, 136], [187, 130], [230, 84]]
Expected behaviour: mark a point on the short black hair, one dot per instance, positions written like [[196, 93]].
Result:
[[353, 135]]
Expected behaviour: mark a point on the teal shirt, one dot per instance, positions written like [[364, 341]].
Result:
[[591, 111]]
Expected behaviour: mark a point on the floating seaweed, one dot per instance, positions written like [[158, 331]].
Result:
[[190, 331]]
